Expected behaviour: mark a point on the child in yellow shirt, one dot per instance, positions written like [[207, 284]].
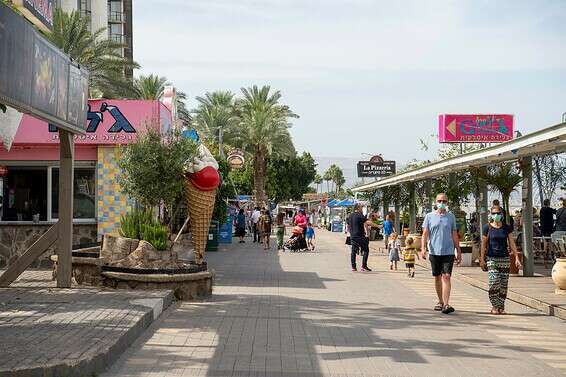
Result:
[[409, 255]]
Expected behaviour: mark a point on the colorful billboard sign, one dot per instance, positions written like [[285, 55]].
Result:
[[475, 128], [42, 10], [108, 122], [37, 78]]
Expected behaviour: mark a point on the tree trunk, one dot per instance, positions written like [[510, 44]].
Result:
[[260, 165], [505, 198]]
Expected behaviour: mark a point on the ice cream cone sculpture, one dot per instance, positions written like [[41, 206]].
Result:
[[202, 180]]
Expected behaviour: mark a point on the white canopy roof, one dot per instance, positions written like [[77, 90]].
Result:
[[549, 140]]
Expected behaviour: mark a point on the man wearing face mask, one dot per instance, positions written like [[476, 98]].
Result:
[[441, 240]]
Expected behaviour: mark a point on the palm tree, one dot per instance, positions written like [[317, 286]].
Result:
[[182, 112], [317, 181], [150, 87], [327, 177], [99, 55], [215, 117], [504, 178], [263, 131]]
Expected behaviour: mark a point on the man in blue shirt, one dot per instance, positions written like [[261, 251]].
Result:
[[441, 239]]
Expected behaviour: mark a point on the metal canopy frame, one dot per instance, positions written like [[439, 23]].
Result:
[[549, 140]]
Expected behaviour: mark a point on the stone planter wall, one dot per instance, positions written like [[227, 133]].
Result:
[[16, 238]]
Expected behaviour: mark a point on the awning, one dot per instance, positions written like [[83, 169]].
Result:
[[549, 140]]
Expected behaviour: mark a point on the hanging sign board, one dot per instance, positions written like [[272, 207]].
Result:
[[475, 128], [37, 78], [236, 159], [376, 167]]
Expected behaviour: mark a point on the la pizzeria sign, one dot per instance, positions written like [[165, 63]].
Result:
[[376, 167]]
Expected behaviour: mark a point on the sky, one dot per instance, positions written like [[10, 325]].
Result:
[[366, 76]]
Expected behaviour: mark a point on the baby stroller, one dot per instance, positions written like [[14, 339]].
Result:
[[297, 241]]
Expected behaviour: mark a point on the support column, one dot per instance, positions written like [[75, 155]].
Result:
[[428, 192], [527, 207], [412, 208], [397, 222], [452, 183], [385, 206], [482, 209], [65, 223]]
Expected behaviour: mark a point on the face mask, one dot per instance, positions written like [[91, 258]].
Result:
[[441, 205], [496, 217]]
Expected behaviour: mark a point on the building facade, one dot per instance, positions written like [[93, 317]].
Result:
[[29, 174], [114, 15]]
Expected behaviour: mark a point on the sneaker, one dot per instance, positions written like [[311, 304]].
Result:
[[366, 269], [354, 269]]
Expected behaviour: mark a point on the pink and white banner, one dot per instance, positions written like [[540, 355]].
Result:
[[475, 128]]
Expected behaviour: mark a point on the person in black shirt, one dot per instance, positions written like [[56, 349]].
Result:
[[547, 219], [561, 217], [356, 226]]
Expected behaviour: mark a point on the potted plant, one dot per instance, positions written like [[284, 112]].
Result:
[[559, 268]]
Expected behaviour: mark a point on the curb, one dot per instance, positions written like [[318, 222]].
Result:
[[544, 307], [93, 364]]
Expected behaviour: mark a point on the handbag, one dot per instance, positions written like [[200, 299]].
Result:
[[484, 267], [348, 240]]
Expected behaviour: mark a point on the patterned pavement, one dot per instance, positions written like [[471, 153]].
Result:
[[307, 314]]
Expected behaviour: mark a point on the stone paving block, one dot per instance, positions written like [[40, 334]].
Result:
[[67, 331]]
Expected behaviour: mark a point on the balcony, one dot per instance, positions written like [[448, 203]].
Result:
[[118, 38], [116, 17]]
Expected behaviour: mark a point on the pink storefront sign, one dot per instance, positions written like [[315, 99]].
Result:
[[109, 122], [475, 128]]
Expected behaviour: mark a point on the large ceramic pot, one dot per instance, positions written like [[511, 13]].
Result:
[[559, 273]]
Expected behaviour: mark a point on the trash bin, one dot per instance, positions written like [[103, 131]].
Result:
[[225, 231], [212, 243]]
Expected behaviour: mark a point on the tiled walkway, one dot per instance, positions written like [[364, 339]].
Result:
[[286, 314]]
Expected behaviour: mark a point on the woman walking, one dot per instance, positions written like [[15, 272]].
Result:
[[241, 225], [496, 242], [264, 225], [280, 230]]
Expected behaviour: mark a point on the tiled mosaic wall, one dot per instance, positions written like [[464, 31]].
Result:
[[111, 202]]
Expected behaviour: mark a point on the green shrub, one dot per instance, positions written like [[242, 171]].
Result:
[[132, 223], [155, 234]]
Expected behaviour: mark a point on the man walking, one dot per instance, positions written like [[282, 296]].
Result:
[[357, 223], [440, 238], [256, 214]]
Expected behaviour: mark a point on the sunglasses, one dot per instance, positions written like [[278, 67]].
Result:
[[496, 213], [442, 201]]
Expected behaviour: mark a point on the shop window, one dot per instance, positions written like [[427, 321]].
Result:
[[84, 193], [24, 194]]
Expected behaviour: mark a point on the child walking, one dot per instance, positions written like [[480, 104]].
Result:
[[409, 255], [280, 230], [394, 246], [310, 237]]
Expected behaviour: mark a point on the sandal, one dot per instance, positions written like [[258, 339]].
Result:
[[438, 307], [448, 309], [494, 311], [501, 312]]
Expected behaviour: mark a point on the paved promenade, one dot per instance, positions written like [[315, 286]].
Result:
[[46, 331], [286, 314]]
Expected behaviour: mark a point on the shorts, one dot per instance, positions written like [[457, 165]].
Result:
[[547, 232], [409, 265], [441, 264]]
